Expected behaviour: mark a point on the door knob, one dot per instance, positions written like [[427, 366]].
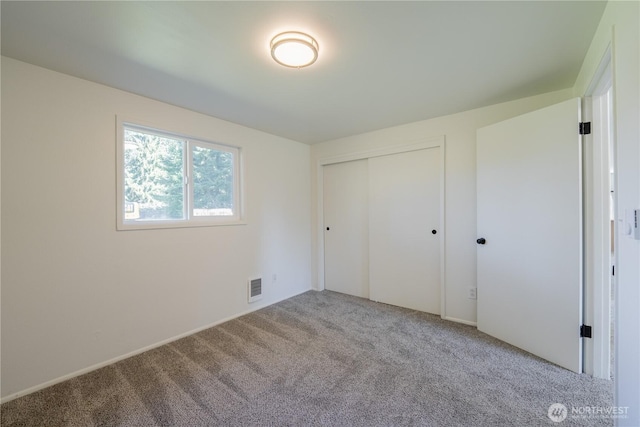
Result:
[[481, 241]]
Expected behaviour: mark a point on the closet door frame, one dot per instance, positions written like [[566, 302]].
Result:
[[420, 144]]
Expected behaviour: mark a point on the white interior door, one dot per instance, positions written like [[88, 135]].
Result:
[[404, 234], [346, 228], [529, 212]]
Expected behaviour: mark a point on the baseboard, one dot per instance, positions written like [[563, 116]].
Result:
[[136, 352], [464, 322]]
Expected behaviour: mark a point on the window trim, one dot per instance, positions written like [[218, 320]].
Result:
[[189, 220]]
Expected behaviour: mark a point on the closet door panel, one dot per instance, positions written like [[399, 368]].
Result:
[[404, 235]]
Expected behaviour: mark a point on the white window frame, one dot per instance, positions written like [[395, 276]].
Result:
[[189, 219]]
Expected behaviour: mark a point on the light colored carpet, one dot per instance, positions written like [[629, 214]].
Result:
[[320, 359]]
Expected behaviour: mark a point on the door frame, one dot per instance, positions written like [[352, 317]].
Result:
[[420, 144], [597, 233]]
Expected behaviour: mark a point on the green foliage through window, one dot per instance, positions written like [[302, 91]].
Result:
[[157, 185], [212, 180], [154, 170]]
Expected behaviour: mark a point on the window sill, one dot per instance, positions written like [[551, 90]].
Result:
[[160, 225]]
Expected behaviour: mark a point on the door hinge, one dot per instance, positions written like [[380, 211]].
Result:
[[585, 128], [613, 270], [585, 331]]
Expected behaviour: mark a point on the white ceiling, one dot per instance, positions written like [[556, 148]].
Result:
[[381, 63]]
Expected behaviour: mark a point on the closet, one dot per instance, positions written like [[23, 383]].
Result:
[[383, 227]]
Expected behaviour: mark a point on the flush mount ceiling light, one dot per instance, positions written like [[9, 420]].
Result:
[[294, 49]]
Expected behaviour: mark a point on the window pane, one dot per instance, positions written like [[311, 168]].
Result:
[[212, 182], [154, 177]]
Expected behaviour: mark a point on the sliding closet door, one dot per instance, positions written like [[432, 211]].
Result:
[[346, 228], [404, 239]]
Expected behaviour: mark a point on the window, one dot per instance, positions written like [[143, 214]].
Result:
[[169, 180]]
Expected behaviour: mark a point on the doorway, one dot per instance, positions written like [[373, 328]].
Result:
[[599, 196]]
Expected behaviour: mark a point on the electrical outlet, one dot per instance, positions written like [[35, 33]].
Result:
[[473, 293]]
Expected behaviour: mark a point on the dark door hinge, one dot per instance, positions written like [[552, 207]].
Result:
[[585, 331], [585, 128]]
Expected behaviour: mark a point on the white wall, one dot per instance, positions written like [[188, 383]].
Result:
[[620, 28], [460, 186], [76, 293]]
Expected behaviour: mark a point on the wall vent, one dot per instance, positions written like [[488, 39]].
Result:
[[255, 289]]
